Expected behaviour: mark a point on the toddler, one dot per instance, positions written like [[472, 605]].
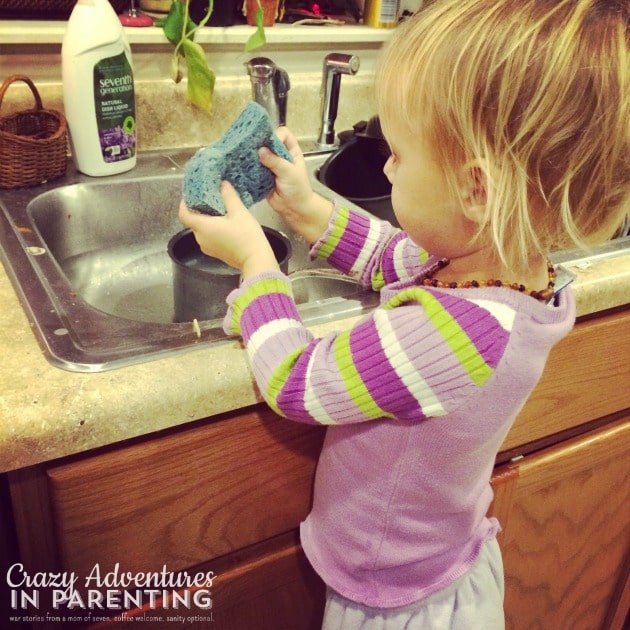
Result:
[[508, 128]]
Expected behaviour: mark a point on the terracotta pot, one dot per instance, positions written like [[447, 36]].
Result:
[[270, 7]]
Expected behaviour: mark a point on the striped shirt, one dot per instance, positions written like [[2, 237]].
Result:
[[418, 395]]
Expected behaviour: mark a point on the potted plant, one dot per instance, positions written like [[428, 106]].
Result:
[[180, 30], [272, 9]]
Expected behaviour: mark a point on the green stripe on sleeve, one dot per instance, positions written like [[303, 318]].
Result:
[[279, 378], [254, 291], [352, 380], [336, 233], [453, 334]]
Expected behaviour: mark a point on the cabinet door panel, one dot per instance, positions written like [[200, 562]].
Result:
[[270, 586], [568, 532], [281, 590], [184, 498]]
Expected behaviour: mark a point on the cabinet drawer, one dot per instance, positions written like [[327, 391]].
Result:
[[186, 497], [270, 586]]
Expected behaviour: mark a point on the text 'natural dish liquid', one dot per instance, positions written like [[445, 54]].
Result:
[[98, 90]]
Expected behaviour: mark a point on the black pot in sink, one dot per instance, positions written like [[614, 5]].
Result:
[[202, 283], [355, 170]]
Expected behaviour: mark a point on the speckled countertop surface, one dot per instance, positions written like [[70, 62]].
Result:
[[46, 412]]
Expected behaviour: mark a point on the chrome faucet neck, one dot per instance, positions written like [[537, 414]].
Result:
[[335, 64], [270, 87]]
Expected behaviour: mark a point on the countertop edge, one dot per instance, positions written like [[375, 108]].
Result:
[[47, 413]]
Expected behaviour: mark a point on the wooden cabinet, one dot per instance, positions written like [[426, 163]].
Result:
[[269, 586], [565, 512], [587, 377], [227, 495], [185, 497]]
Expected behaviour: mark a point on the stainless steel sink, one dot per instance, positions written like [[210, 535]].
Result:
[[88, 259]]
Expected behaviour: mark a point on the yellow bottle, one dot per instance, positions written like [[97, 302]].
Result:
[[380, 13]]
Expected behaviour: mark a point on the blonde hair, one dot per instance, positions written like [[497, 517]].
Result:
[[536, 93]]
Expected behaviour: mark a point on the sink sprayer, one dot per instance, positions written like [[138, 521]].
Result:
[[270, 87], [335, 64]]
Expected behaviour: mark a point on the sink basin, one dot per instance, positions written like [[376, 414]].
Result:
[[89, 261], [355, 171]]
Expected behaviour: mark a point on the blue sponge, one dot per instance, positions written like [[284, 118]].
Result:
[[234, 157]]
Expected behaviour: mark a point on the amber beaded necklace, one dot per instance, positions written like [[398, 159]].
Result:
[[544, 296]]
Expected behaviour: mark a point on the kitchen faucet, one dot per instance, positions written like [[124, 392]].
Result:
[[270, 87], [335, 64]]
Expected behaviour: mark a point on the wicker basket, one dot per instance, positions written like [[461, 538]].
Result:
[[32, 142]]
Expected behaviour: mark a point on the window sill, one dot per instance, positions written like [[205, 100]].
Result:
[[31, 32]]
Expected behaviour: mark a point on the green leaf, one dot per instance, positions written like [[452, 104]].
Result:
[[173, 24], [200, 77], [180, 30], [257, 38]]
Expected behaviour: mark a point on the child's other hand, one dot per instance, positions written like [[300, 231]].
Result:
[[303, 210], [235, 238]]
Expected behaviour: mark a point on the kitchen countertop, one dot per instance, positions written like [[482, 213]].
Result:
[[47, 413]]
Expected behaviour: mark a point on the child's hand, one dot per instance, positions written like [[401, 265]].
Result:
[[236, 238], [304, 211]]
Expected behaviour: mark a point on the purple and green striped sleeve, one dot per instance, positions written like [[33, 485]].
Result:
[[414, 357], [371, 250]]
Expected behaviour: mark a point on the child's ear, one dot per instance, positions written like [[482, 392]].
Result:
[[474, 183]]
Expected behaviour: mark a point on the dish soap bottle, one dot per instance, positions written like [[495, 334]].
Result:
[[98, 90]]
